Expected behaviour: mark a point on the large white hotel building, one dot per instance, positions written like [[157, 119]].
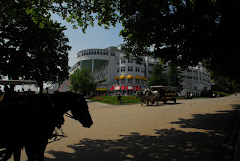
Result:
[[114, 73]]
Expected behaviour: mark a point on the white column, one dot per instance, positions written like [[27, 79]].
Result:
[[92, 65], [81, 66]]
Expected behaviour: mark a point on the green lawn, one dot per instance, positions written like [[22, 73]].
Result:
[[113, 99]]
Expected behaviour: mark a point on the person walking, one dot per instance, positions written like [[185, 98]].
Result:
[[119, 98]]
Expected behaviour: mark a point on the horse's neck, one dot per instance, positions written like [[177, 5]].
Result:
[[59, 117]]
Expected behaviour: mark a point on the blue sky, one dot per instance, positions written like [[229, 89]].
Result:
[[95, 37]]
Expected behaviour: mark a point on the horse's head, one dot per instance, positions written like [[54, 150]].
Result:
[[77, 104], [147, 92]]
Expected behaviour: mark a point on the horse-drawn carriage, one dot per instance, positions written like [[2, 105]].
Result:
[[29, 120], [167, 93]]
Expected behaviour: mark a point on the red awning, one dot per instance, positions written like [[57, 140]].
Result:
[[112, 88], [142, 88], [136, 87], [130, 88], [117, 88], [123, 87]]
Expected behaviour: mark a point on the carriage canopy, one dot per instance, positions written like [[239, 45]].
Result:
[[17, 82]]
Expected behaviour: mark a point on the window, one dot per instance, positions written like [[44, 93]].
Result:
[[137, 69], [130, 60], [137, 81], [130, 81], [130, 68], [117, 69], [122, 69], [142, 69], [122, 60], [112, 53]]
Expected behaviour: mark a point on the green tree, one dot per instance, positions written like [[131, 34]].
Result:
[[225, 85], [82, 81], [182, 32], [173, 77], [161, 77], [158, 76], [205, 93], [30, 50]]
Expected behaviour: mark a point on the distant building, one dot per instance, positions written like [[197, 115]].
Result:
[[116, 74]]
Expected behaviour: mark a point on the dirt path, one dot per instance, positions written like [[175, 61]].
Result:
[[196, 129]]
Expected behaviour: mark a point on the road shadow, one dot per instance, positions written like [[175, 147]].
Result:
[[217, 144], [162, 104]]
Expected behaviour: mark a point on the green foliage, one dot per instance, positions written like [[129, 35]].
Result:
[[113, 99], [222, 94], [226, 85], [32, 47], [82, 81], [171, 78], [174, 79], [184, 32], [158, 77], [205, 93]]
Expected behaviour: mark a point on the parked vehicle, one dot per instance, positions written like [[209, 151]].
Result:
[[167, 93]]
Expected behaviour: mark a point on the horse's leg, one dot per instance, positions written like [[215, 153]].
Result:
[[29, 149], [17, 154], [40, 150]]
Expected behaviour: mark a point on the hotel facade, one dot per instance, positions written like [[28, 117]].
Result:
[[114, 73]]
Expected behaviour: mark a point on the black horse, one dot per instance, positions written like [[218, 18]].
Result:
[[31, 120]]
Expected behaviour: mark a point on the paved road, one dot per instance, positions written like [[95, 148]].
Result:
[[197, 129]]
